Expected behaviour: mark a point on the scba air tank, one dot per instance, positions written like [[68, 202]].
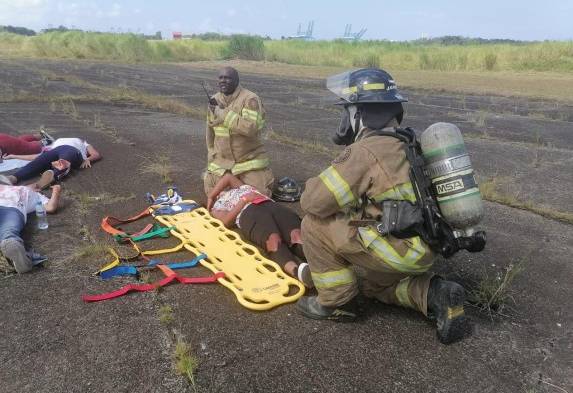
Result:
[[450, 170]]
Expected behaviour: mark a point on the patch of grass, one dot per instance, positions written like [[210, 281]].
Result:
[[159, 165], [92, 251], [155, 102], [166, 314], [493, 293], [186, 363], [489, 191], [310, 146], [245, 47]]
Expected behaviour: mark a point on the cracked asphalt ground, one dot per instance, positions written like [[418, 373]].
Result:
[[52, 342]]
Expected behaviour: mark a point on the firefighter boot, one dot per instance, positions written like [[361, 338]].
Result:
[[446, 307], [311, 308]]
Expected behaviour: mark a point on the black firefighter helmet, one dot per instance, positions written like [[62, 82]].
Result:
[[365, 86], [370, 96], [287, 190]]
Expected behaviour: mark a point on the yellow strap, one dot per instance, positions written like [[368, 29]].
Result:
[[333, 278], [383, 250], [257, 282], [113, 263], [337, 186], [251, 165], [400, 192]]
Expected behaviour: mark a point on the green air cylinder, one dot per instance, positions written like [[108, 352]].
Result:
[[450, 170]]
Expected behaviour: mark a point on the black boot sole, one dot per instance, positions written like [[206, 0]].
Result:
[[453, 325]]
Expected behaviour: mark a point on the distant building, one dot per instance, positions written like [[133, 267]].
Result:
[[177, 35]]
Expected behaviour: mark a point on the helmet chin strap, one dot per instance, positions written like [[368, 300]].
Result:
[[357, 124]]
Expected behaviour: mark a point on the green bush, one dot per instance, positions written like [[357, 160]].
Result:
[[489, 61], [245, 47]]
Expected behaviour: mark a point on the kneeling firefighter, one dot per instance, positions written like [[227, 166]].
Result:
[[376, 207]]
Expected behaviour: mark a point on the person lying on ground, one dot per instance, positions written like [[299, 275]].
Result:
[[23, 144], [57, 160], [267, 224], [16, 202]]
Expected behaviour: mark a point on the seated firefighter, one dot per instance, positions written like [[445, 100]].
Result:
[[16, 202], [339, 202], [273, 227]]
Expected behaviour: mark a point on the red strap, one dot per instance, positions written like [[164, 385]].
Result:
[[109, 222], [150, 287]]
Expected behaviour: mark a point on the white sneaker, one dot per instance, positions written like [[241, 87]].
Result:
[[304, 276]]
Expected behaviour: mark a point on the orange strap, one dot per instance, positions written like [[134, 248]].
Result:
[[109, 223]]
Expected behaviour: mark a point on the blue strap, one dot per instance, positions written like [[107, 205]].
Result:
[[124, 270], [118, 271], [179, 265]]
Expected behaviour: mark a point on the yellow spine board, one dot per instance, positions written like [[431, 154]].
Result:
[[258, 283]]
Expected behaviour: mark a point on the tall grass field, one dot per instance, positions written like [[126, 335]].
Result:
[[553, 56]]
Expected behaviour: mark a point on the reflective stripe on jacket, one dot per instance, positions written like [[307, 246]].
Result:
[[374, 168], [234, 139]]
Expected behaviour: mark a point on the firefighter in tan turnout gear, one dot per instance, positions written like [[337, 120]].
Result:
[[344, 203], [234, 122]]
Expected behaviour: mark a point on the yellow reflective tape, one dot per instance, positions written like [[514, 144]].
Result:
[[402, 292], [337, 186], [401, 192], [231, 116], [383, 250], [374, 86], [251, 165], [249, 113], [454, 312], [349, 90], [260, 123], [221, 131], [333, 279], [216, 169]]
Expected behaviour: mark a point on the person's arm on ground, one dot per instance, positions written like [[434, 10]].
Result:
[[52, 205], [27, 157], [93, 156], [227, 181]]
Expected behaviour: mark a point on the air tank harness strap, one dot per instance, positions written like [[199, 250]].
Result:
[[131, 270], [170, 277]]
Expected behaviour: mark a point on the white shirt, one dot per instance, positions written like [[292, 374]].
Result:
[[21, 198], [78, 143]]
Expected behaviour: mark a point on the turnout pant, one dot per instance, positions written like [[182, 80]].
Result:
[[336, 282], [262, 180], [44, 162]]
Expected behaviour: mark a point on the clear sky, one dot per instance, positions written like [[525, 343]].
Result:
[[393, 20]]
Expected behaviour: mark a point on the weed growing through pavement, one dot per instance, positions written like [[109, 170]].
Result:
[[159, 165], [166, 314], [489, 191], [494, 293], [185, 362], [92, 251]]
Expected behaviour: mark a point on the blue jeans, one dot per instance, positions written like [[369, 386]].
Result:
[[11, 223]]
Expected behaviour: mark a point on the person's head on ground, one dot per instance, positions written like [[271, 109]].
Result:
[[228, 80], [370, 99]]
